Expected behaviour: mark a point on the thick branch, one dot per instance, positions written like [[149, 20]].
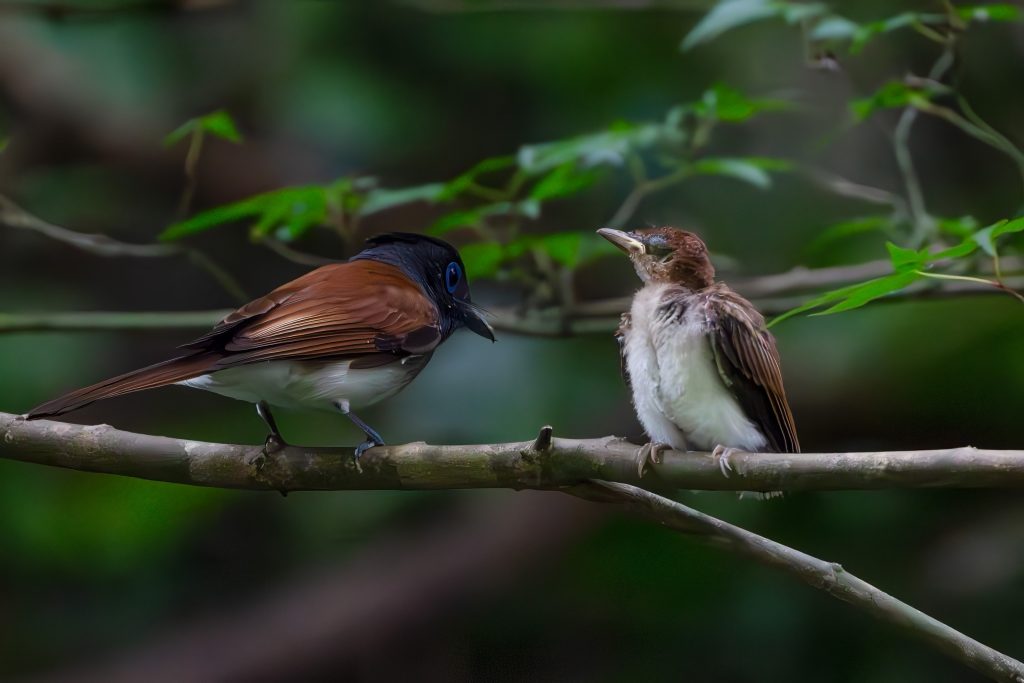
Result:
[[565, 463], [827, 576]]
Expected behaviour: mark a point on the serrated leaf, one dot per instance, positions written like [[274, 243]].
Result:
[[565, 180], [381, 199], [905, 259], [727, 15]]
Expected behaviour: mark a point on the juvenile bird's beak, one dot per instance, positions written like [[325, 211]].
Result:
[[623, 240], [474, 318]]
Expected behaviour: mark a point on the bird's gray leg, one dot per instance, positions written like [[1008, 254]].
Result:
[[649, 454], [275, 441], [372, 437], [722, 454]]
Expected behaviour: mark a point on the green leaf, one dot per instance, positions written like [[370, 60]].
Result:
[[895, 94], [726, 15], [291, 209], [461, 183], [609, 147], [381, 199], [728, 104], [968, 246], [989, 12], [482, 259], [753, 170], [965, 226], [866, 32], [834, 28], [1006, 227], [565, 180], [218, 123], [471, 218], [852, 296], [855, 226], [905, 259], [221, 125], [986, 237]]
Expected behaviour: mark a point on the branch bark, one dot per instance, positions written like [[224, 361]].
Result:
[[595, 469], [520, 465], [827, 576]]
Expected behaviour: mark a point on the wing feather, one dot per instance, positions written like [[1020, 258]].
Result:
[[748, 362]]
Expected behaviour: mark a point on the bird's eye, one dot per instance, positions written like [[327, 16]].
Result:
[[661, 252], [452, 276]]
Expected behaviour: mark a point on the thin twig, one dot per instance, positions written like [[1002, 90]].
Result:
[[827, 576], [13, 216]]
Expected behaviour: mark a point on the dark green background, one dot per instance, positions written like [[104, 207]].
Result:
[[94, 569]]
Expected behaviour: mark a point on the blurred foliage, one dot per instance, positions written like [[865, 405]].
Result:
[[362, 117]]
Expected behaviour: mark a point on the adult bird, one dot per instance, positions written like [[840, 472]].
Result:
[[339, 338], [702, 367]]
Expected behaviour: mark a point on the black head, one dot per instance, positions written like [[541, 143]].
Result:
[[437, 268]]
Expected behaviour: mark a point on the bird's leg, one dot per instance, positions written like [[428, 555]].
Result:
[[372, 437], [721, 454], [275, 441], [649, 454]]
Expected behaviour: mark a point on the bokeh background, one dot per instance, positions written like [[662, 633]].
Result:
[[103, 576]]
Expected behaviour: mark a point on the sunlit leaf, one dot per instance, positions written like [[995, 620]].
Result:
[[563, 181], [294, 208], [381, 199]]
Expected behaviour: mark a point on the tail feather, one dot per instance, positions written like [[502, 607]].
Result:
[[161, 374]]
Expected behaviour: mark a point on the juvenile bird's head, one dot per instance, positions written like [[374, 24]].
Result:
[[665, 255]]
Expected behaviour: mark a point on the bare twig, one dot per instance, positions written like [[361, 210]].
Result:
[[597, 469], [13, 216], [827, 576], [521, 465]]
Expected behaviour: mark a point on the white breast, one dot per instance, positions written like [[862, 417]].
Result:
[[678, 393], [311, 385]]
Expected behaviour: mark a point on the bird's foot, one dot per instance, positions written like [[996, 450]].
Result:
[[372, 440], [649, 454], [721, 454], [272, 445]]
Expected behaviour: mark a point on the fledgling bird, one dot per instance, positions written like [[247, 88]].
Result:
[[339, 338], [702, 367]]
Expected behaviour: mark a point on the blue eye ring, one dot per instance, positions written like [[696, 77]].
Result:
[[452, 276]]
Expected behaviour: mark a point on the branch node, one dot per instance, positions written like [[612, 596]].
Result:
[[542, 443]]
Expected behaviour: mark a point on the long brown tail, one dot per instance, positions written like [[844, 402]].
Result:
[[161, 374]]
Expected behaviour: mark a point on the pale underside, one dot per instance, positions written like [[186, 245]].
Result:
[[312, 385], [679, 394]]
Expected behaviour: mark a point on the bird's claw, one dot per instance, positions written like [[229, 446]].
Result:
[[649, 454], [362, 448], [721, 454]]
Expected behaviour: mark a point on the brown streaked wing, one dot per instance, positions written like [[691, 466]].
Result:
[[343, 309], [748, 362]]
